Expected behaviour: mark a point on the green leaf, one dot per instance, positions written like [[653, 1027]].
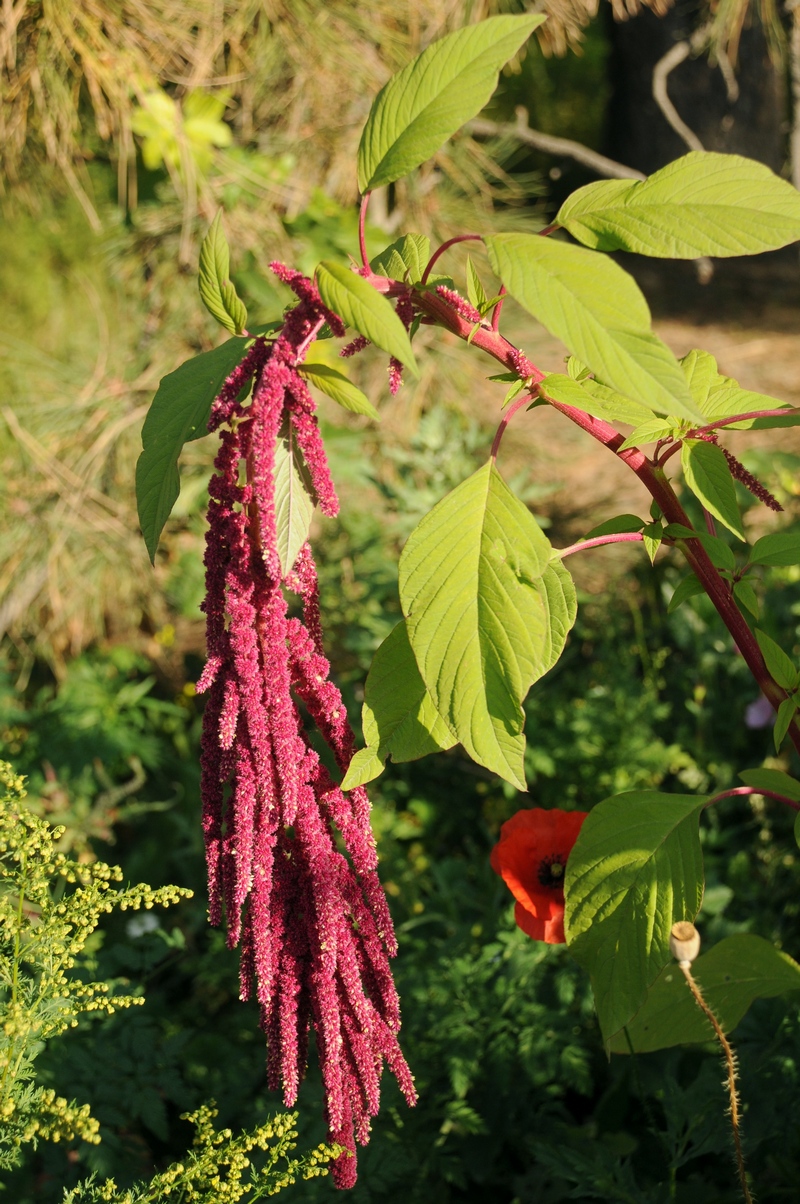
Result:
[[702, 204], [652, 535], [635, 870], [399, 718], [617, 526], [407, 257], [294, 498], [688, 588], [746, 596], [786, 713], [720, 397], [721, 555], [598, 311], [340, 388], [424, 104], [519, 386], [709, 478], [486, 614], [179, 413], [732, 975], [797, 829], [780, 549], [772, 779], [595, 399], [780, 666], [216, 291], [359, 305], [475, 290], [576, 369], [700, 370], [650, 432]]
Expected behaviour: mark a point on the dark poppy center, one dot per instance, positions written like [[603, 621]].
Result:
[[551, 871]]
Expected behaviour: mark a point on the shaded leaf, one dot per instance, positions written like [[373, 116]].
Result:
[[780, 666], [340, 388], [429, 100], [635, 870], [772, 779], [786, 713], [780, 549], [617, 526], [708, 476], [178, 414], [689, 587], [294, 498], [746, 595]]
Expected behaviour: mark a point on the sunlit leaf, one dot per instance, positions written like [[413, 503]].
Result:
[[294, 498], [340, 388], [359, 305], [707, 474], [216, 290]]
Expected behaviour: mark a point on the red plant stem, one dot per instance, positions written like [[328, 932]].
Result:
[[712, 426], [362, 222], [549, 230], [451, 242], [497, 309], [651, 475], [524, 400], [600, 540], [308, 340], [740, 790]]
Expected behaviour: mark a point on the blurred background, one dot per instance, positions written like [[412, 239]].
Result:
[[124, 127]]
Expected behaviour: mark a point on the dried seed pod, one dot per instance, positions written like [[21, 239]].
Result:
[[684, 941]]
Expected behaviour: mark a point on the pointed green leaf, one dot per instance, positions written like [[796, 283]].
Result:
[[772, 779], [709, 478], [519, 386], [475, 290], [780, 666], [179, 413], [649, 432], [702, 204], [294, 498], [576, 369], [786, 713], [399, 718], [408, 256], [782, 548], [719, 552], [430, 99], [595, 399], [216, 291], [598, 311], [616, 526], [688, 588], [702, 375], [635, 870], [745, 595], [652, 535], [482, 622], [720, 397], [340, 388], [732, 975], [359, 305]]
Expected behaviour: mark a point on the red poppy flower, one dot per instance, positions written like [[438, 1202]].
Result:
[[531, 858]]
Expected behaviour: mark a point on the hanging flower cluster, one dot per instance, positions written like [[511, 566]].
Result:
[[312, 921], [531, 858]]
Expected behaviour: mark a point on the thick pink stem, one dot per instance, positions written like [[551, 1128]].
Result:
[[600, 540]]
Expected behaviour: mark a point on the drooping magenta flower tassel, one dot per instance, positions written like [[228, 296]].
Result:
[[312, 921]]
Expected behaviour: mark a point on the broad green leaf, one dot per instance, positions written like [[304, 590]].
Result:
[[617, 526], [430, 99], [340, 388], [475, 290], [688, 588], [408, 256], [709, 478], [782, 548], [732, 975], [399, 718], [744, 594], [652, 535], [635, 870], [649, 432], [216, 290], [179, 413], [359, 305], [780, 666], [294, 498], [482, 622], [594, 399], [702, 375], [702, 204], [786, 713], [719, 396], [598, 311], [772, 779]]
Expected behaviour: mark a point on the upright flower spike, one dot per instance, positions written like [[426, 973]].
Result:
[[312, 921], [531, 858]]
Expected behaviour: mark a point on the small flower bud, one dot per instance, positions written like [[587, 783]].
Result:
[[684, 941]]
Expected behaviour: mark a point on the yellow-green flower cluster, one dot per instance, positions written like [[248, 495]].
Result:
[[49, 907]]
